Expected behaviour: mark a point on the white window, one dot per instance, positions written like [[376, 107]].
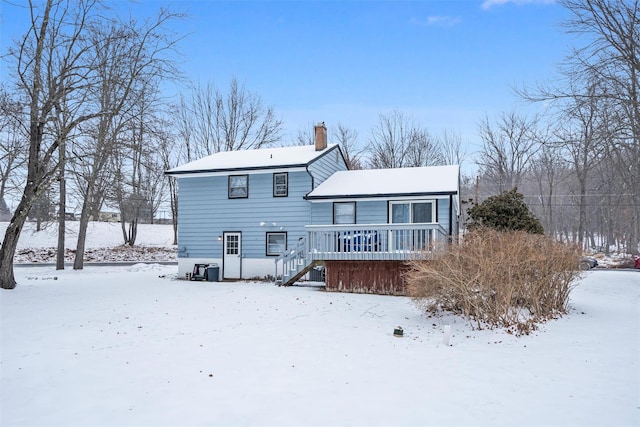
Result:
[[280, 184], [276, 243], [238, 186], [412, 212], [344, 213]]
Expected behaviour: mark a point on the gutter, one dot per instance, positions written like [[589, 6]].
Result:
[[239, 169], [377, 195]]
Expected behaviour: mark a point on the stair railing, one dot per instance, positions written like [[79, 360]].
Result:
[[293, 261]]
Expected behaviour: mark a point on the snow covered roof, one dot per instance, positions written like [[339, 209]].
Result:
[[263, 158], [430, 180]]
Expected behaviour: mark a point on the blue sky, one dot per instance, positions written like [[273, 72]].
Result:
[[445, 63]]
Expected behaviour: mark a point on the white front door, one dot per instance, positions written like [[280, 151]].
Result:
[[232, 260]]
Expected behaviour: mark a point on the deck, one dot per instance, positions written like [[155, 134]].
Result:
[[367, 242], [371, 242]]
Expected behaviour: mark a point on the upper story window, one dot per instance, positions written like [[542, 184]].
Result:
[[238, 186], [412, 212], [280, 184], [344, 213]]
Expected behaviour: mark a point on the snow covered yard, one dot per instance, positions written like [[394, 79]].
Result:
[[103, 244], [127, 346]]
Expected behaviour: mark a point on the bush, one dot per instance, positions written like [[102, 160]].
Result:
[[504, 212], [498, 279]]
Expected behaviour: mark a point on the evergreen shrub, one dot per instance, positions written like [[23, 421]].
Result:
[[505, 211]]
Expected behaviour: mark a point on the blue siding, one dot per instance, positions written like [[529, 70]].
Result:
[[372, 212], [321, 213], [367, 212], [205, 212], [327, 165], [375, 212]]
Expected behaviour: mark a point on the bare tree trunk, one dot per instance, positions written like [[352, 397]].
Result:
[[62, 220], [173, 184], [62, 208], [35, 173], [8, 249], [49, 67], [78, 262], [11, 236], [89, 206], [582, 214]]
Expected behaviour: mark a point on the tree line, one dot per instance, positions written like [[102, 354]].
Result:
[[578, 162], [85, 116]]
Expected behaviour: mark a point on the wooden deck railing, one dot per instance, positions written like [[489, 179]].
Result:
[[366, 242], [372, 241]]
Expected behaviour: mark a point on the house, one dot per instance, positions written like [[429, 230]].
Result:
[[281, 211], [242, 209], [365, 224]]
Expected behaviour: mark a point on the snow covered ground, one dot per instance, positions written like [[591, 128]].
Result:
[[114, 346], [132, 346], [103, 243]]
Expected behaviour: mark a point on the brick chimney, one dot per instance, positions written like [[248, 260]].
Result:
[[321, 136]]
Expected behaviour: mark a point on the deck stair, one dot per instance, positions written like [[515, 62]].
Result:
[[295, 264]]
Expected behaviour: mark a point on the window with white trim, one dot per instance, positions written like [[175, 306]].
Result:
[[418, 212], [276, 243]]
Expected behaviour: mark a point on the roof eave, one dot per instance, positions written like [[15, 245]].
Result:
[[240, 169], [256, 168], [381, 196]]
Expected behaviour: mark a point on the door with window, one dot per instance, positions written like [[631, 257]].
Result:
[[232, 255], [418, 212]]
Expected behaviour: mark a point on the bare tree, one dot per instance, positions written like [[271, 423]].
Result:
[[348, 140], [171, 155], [51, 64], [451, 147], [137, 173], [610, 57], [584, 138], [226, 121], [154, 183], [397, 141], [13, 153], [197, 121], [131, 58], [424, 150], [306, 136], [508, 148], [64, 114], [547, 171], [184, 123], [242, 120], [609, 61], [391, 140]]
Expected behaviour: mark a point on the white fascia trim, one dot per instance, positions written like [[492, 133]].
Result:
[[376, 199], [238, 172]]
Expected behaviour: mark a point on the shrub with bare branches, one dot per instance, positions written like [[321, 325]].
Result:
[[508, 279]]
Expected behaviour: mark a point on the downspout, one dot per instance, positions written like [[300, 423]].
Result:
[[313, 186], [451, 217], [305, 198]]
